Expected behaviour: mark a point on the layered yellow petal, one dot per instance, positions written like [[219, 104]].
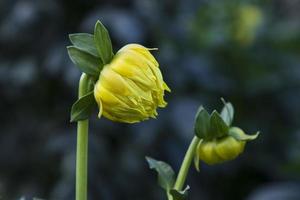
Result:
[[131, 87]]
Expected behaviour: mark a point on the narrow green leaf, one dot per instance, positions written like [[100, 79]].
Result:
[[202, 124], [227, 112], [240, 135], [180, 195], [91, 83], [166, 175], [85, 42], [103, 42], [197, 157], [86, 62], [83, 107], [218, 127]]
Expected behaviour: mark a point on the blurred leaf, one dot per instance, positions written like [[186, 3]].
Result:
[[180, 195], [240, 135], [202, 123], [227, 112], [83, 107], [103, 42], [218, 127], [86, 62], [85, 42], [166, 175]]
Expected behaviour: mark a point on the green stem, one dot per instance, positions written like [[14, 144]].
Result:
[[82, 147], [184, 169]]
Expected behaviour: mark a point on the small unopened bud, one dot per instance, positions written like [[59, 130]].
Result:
[[220, 150]]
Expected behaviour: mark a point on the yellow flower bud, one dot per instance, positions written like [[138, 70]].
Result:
[[220, 150], [131, 86], [248, 20]]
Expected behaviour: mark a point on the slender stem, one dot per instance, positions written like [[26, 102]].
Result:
[[186, 164], [169, 196], [82, 147]]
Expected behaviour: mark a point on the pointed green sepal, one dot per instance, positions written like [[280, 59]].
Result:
[[240, 135], [202, 123], [180, 195], [227, 112], [218, 128], [166, 175], [85, 42], [103, 42], [197, 157], [86, 62], [83, 107]]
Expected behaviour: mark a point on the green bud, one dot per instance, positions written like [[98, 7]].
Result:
[[220, 150], [220, 141]]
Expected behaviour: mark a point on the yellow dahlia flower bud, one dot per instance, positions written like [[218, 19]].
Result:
[[131, 87], [220, 150]]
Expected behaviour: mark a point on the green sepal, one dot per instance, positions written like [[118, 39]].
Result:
[[85, 42], [218, 128], [209, 126], [240, 135], [166, 175], [83, 107], [197, 157], [180, 195], [86, 62], [202, 123], [91, 83], [103, 42], [227, 112]]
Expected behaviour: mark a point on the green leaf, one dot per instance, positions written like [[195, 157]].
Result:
[[166, 175], [202, 123], [85, 42], [83, 107], [180, 195], [227, 112], [103, 42], [218, 128], [240, 135], [86, 62]]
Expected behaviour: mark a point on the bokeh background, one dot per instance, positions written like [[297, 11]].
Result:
[[244, 51]]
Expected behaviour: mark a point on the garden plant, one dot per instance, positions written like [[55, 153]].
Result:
[[128, 87]]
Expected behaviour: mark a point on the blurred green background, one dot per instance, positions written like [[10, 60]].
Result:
[[244, 51]]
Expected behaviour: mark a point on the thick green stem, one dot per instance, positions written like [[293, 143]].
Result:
[[82, 147], [184, 169]]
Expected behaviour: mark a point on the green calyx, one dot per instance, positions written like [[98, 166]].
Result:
[[218, 125], [89, 53], [215, 125]]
